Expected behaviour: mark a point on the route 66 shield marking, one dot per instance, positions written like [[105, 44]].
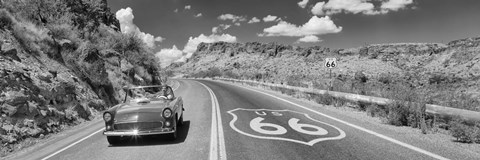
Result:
[[283, 125]]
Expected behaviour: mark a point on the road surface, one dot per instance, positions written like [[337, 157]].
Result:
[[225, 121]]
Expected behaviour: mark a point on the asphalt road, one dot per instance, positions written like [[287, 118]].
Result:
[[224, 121]]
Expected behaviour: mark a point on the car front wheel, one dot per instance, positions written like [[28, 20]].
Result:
[[180, 121], [175, 132], [113, 140]]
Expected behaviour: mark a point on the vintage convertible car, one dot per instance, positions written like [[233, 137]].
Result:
[[145, 111]]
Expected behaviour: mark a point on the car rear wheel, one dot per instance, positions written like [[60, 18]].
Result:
[[113, 140]]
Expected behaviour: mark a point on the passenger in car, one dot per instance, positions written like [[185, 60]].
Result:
[[138, 93]]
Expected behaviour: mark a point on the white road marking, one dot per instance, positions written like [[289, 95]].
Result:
[[65, 148], [217, 139], [359, 128], [84, 138], [310, 143], [257, 126]]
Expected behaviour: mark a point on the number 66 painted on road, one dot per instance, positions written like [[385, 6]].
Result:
[[256, 124]]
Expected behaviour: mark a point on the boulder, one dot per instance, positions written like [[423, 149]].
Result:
[[29, 123], [34, 132], [9, 110], [12, 53]]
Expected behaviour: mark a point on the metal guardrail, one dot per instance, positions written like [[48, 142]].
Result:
[[430, 108]]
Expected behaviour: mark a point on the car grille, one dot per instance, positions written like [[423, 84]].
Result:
[[141, 126]]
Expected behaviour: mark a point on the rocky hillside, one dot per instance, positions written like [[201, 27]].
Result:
[[451, 69], [61, 63]]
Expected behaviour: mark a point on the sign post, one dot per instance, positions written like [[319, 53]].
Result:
[[330, 63]]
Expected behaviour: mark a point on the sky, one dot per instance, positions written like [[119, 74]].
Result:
[[173, 28]]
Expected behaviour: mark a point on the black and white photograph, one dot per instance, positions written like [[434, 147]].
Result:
[[239, 79]]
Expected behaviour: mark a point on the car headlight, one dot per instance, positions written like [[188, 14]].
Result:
[[167, 113], [107, 117]]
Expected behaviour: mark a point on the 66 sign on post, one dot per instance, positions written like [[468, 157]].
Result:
[[330, 62], [283, 125]]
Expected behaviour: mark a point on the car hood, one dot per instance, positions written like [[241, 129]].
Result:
[[140, 112]]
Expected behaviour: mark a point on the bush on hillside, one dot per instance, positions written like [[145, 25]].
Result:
[[6, 20], [463, 131], [231, 74], [360, 77], [385, 78], [296, 80], [213, 72]]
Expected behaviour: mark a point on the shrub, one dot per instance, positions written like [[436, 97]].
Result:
[[318, 85], [437, 79], [385, 78], [32, 37], [337, 102], [361, 77], [406, 113], [296, 80], [64, 31], [230, 74], [287, 91], [465, 132], [375, 110], [325, 99], [6, 19], [214, 72], [397, 114]]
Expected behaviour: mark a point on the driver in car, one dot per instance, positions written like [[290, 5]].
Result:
[[166, 92]]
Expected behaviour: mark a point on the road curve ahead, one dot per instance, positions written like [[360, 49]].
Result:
[[225, 121]]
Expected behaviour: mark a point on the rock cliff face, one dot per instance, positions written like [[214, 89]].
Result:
[[267, 50], [53, 75]]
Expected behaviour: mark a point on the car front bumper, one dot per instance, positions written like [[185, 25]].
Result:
[[138, 133]]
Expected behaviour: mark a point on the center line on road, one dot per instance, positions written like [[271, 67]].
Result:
[[217, 140], [433, 155]]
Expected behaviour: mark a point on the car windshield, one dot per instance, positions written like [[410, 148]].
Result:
[[148, 93]]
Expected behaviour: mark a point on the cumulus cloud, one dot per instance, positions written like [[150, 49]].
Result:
[[314, 26], [395, 5], [125, 17], [254, 20], [187, 7], [232, 17], [270, 18], [358, 6], [193, 42], [318, 9], [169, 55], [349, 6], [309, 39], [198, 15], [159, 39], [220, 28], [303, 3]]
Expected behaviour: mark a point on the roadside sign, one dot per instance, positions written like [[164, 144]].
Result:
[[330, 62]]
